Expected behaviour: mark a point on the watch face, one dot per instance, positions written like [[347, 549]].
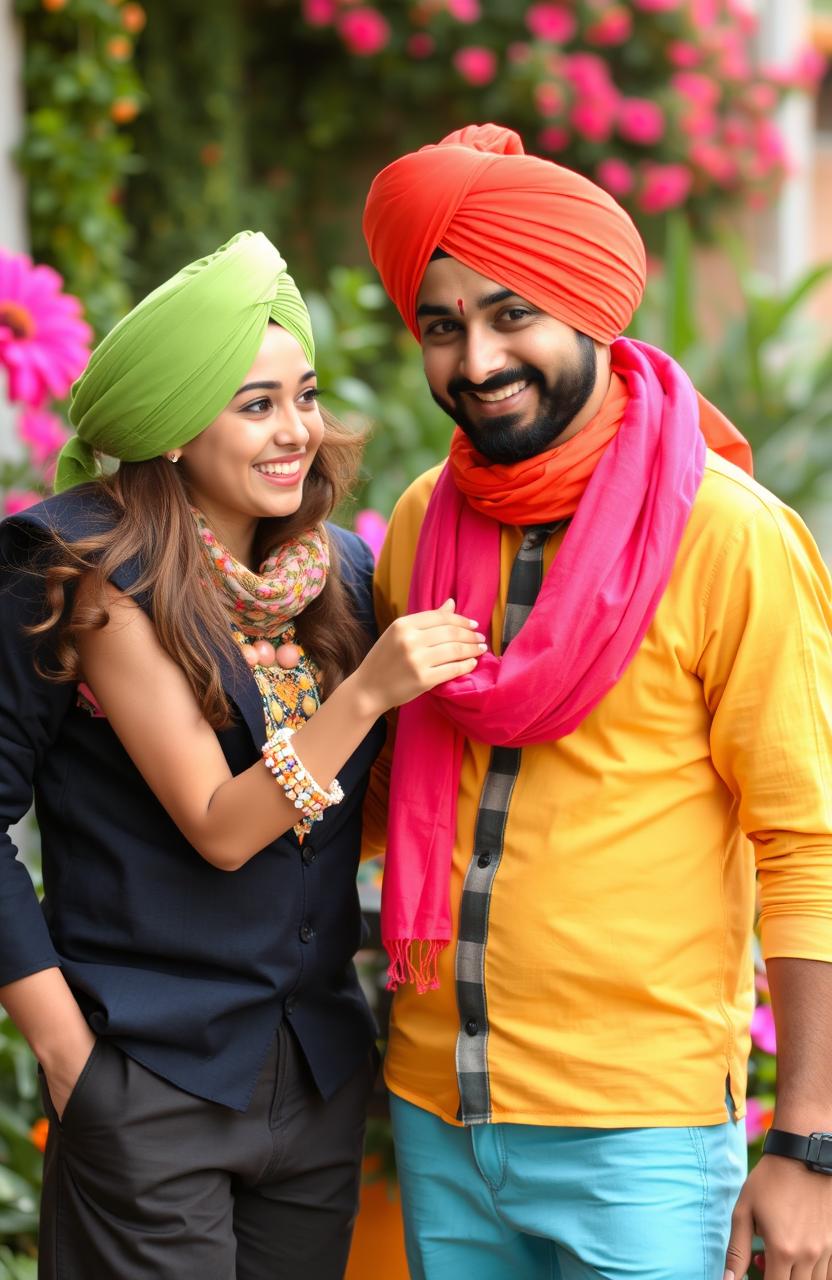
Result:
[[819, 1155]]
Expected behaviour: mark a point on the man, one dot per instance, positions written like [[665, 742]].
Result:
[[570, 877]]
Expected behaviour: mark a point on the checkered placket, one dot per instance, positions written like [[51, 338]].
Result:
[[489, 833]]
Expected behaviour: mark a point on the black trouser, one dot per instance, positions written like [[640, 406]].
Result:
[[145, 1182]]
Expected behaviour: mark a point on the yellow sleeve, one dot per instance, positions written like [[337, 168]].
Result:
[[391, 585], [766, 667]]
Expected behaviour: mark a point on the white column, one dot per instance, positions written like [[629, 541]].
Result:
[[13, 203], [787, 227]]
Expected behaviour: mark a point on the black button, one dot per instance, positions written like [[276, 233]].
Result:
[[308, 855], [290, 1004], [307, 933], [483, 860], [472, 1026]]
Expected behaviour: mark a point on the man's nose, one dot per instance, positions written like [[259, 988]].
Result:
[[483, 356]]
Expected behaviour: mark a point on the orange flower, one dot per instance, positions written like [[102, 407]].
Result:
[[119, 48], [39, 1133], [210, 154], [123, 110], [54, 6], [133, 18]]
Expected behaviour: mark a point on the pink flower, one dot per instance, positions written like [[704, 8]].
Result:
[[319, 13], [551, 22], [548, 98], [594, 118], [704, 14], [44, 343], [42, 433], [19, 499], [552, 138], [371, 526], [364, 31], [757, 1119], [616, 176], [808, 69], [762, 1029], [612, 28], [658, 6], [641, 121], [588, 73], [697, 88], [761, 97], [715, 162], [464, 10], [666, 186], [683, 54], [699, 124], [421, 45], [476, 64]]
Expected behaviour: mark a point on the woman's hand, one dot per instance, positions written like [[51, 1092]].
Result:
[[416, 653]]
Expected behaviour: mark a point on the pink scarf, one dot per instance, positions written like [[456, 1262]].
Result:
[[593, 610]]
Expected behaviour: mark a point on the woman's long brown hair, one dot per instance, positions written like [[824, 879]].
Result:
[[149, 519]]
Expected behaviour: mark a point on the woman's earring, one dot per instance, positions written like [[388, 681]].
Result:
[[173, 457]]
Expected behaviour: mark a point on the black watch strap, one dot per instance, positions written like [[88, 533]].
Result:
[[815, 1151]]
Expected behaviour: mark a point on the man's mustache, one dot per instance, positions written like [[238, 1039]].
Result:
[[523, 373]]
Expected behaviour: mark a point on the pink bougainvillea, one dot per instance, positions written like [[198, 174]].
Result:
[[371, 526], [665, 186], [364, 31], [17, 500], [553, 138], [476, 64], [319, 13], [616, 176], [551, 22], [612, 28], [44, 342], [464, 10], [641, 121]]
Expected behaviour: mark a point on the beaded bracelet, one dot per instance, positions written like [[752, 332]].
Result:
[[298, 785]]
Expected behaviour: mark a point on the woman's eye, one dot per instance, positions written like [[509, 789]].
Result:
[[258, 406], [310, 395]]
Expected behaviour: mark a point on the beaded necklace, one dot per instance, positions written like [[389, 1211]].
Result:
[[290, 693]]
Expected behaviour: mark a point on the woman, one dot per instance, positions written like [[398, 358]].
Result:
[[188, 987]]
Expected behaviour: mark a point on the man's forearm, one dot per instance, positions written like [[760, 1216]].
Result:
[[801, 998]]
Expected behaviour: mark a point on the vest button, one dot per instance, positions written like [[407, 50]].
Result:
[[472, 1026], [290, 1004], [308, 855], [483, 860], [307, 933]]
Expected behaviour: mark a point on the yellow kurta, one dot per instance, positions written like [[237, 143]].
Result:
[[618, 967]]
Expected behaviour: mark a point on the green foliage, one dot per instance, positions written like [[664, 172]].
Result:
[[769, 370], [81, 89]]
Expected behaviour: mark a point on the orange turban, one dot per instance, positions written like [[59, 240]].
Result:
[[530, 225]]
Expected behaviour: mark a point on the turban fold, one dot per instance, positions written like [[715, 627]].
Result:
[[554, 237], [173, 363]]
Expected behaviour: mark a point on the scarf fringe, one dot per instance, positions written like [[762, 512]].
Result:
[[414, 960]]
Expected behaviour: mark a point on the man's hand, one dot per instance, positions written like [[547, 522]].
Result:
[[790, 1207]]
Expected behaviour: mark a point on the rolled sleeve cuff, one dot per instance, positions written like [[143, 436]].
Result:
[[797, 937]]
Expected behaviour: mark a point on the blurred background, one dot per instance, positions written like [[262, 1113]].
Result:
[[137, 136]]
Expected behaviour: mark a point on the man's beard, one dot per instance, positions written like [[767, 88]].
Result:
[[501, 440]]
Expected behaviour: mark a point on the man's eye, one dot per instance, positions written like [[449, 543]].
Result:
[[440, 328], [516, 313]]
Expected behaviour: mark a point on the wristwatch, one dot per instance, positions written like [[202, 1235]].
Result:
[[815, 1151]]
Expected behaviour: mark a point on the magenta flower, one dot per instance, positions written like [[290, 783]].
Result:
[[19, 499], [716, 162], [588, 73], [616, 176], [548, 98], [666, 186], [757, 1119], [319, 13], [476, 64], [762, 1029], [699, 89], [371, 526], [612, 28], [552, 138], [683, 54], [44, 343], [641, 121], [464, 10], [551, 22], [594, 118], [43, 434], [364, 31]]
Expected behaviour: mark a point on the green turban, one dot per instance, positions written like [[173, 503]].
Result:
[[173, 363]]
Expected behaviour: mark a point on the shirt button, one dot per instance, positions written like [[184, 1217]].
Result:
[[308, 856], [307, 933], [483, 860], [290, 1004], [472, 1026]]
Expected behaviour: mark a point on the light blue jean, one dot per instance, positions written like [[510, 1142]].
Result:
[[528, 1202]]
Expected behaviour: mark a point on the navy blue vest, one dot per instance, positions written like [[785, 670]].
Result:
[[187, 968]]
